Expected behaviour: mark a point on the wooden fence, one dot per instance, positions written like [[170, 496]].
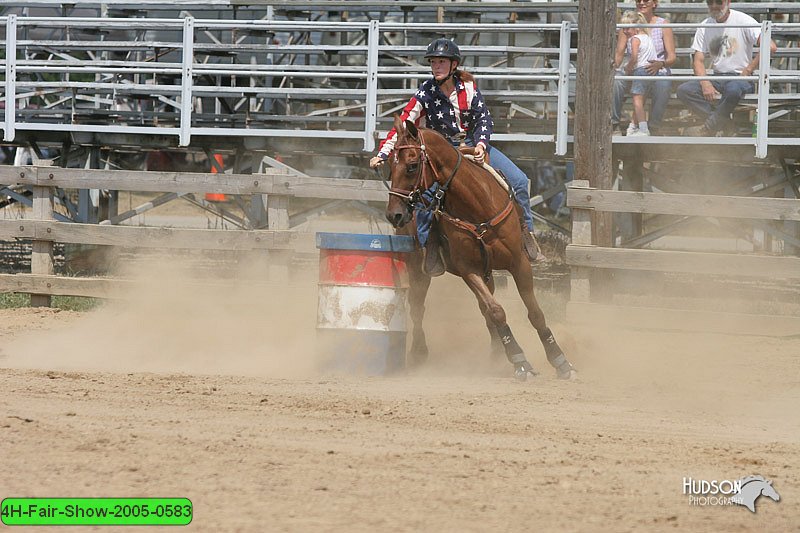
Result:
[[582, 257], [276, 185]]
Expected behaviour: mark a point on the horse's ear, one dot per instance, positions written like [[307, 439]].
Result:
[[412, 130], [398, 124]]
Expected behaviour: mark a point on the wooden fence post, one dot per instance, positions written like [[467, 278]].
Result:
[[596, 41], [580, 289], [278, 219], [42, 254]]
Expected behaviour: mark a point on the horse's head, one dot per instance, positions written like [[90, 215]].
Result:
[[768, 491], [407, 170]]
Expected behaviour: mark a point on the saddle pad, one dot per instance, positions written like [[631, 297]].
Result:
[[503, 183]]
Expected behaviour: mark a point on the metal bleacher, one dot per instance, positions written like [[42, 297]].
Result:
[[287, 73]]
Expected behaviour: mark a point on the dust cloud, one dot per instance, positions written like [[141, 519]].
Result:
[[251, 319], [235, 320]]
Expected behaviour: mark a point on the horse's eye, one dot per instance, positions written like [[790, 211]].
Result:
[[411, 168]]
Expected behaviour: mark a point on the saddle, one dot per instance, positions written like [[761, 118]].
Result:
[[435, 255]]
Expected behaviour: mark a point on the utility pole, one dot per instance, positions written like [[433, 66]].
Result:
[[596, 41]]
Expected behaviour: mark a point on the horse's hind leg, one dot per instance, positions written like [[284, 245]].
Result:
[[418, 290], [495, 313], [523, 278]]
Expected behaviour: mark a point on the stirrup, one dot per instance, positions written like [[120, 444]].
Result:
[[432, 260], [530, 246]]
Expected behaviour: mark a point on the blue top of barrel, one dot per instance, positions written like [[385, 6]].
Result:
[[364, 241]]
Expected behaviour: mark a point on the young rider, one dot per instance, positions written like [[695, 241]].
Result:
[[450, 103]]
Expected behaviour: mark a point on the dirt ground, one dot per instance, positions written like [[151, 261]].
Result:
[[213, 395]]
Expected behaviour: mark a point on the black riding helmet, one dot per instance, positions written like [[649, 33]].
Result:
[[443, 48]]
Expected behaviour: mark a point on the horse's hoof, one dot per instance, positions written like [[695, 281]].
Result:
[[569, 375], [523, 371]]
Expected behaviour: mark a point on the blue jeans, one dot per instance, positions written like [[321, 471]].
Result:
[[641, 87], [659, 90], [716, 116], [516, 178]]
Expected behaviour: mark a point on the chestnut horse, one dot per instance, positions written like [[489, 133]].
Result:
[[480, 222]]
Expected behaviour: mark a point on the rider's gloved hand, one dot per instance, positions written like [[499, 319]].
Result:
[[480, 153], [376, 161]]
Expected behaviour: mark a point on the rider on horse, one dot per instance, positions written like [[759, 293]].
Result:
[[451, 104]]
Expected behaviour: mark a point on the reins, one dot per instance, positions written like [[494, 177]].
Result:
[[479, 230]]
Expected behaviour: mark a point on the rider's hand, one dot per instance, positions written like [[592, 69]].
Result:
[[480, 153], [376, 161], [709, 92]]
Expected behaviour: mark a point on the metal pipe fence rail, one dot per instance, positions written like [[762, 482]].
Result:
[[382, 6], [44, 230], [178, 72], [190, 78], [584, 258]]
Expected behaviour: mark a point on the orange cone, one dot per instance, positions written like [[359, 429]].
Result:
[[216, 196]]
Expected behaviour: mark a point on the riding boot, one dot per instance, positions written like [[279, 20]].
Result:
[[529, 244], [433, 262]]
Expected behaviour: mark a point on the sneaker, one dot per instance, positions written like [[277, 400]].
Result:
[[639, 133], [698, 131], [632, 128]]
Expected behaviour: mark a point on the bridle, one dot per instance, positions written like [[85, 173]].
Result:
[[436, 205], [421, 181]]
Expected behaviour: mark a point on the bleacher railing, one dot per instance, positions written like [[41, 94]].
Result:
[[311, 79]]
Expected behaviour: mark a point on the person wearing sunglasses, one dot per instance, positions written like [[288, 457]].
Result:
[[660, 89], [730, 47]]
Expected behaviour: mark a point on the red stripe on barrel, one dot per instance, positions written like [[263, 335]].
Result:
[[359, 267]]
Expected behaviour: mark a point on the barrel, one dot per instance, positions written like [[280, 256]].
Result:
[[361, 311]]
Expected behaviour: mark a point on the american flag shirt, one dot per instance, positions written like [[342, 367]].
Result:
[[463, 112]]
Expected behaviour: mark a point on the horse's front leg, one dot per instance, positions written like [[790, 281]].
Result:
[[418, 290], [495, 344], [495, 312], [523, 278]]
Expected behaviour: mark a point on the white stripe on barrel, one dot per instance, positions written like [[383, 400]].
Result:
[[361, 312]]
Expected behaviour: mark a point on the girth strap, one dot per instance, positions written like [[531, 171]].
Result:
[[479, 230]]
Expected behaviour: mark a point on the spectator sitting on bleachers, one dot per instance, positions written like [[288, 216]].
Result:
[[731, 50], [661, 87]]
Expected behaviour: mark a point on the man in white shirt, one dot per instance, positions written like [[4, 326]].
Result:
[[731, 51]]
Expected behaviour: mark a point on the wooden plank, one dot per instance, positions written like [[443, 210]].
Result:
[[689, 262], [65, 286], [274, 181], [152, 237], [606, 316], [685, 204], [115, 288], [16, 229]]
